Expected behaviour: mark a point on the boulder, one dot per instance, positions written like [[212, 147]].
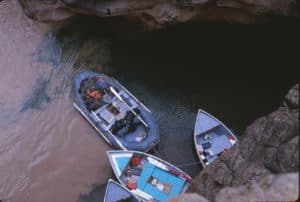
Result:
[[189, 197], [284, 187], [280, 187]]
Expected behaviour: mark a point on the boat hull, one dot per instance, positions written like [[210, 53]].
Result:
[[154, 178], [126, 143], [211, 137]]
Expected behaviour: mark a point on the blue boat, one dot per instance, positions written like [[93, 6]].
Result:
[[117, 193], [119, 117], [148, 177], [211, 138]]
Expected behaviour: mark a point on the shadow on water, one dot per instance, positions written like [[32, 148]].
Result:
[[234, 72], [237, 73], [38, 96], [97, 193]]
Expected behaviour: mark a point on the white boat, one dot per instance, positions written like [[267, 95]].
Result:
[[211, 138]]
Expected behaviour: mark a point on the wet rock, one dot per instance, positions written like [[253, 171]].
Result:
[[158, 13], [46, 10], [282, 187], [267, 137], [292, 98], [269, 145], [189, 197]]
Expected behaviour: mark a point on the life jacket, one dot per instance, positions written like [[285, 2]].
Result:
[[131, 185], [135, 161], [94, 94]]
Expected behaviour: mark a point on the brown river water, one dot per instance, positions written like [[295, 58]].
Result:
[[48, 152]]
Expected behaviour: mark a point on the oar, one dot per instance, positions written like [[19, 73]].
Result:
[[115, 138], [105, 138], [129, 93], [107, 129], [121, 99]]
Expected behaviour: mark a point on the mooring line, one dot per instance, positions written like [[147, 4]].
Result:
[[178, 165], [188, 164], [156, 152]]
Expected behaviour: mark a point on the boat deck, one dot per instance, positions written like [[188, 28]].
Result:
[[214, 142], [155, 181], [173, 185], [211, 137]]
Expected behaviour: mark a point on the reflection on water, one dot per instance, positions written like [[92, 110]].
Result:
[[48, 152]]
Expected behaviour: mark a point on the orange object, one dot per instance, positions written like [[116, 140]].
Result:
[[135, 161], [94, 94], [131, 185]]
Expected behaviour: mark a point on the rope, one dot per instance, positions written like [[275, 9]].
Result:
[[178, 165], [188, 164], [156, 152]]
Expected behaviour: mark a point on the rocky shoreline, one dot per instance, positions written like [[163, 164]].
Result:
[[281, 187], [269, 147]]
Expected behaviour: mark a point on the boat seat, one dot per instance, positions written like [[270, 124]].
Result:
[[145, 175], [220, 143], [205, 123], [160, 174], [156, 193], [100, 109], [177, 183], [208, 130], [166, 178]]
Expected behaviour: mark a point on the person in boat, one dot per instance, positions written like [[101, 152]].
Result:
[[92, 91], [128, 124], [131, 180], [93, 99]]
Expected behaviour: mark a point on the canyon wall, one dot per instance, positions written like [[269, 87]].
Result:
[[160, 13]]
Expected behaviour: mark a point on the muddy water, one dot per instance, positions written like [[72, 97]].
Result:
[[47, 151]]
